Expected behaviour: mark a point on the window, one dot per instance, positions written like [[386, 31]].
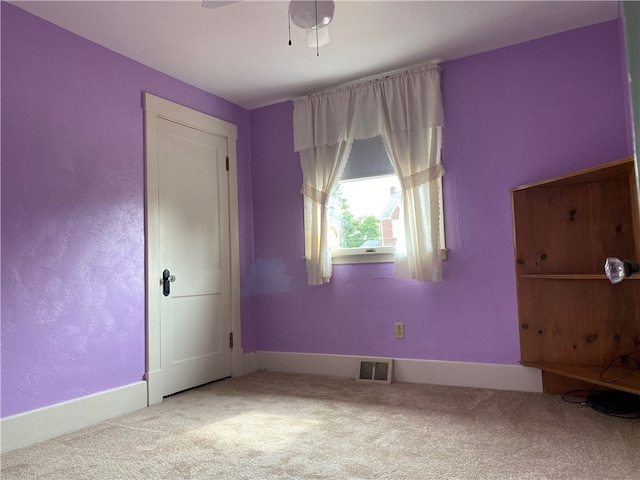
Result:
[[365, 208], [405, 109]]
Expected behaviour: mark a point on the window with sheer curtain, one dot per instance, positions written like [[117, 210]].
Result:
[[364, 208], [405, 109]]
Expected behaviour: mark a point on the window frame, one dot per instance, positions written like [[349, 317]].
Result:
[[360, 255]]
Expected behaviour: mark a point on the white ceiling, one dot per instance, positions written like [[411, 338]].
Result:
[[240, 51]]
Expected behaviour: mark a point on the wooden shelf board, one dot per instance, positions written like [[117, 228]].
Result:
[[572, 276], [590, 374]]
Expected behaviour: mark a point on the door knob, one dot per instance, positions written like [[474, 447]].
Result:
[[167, 278]]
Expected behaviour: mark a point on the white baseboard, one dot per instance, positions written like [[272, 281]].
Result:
[[467, 374], [36, 425], [250, 362], [460, 374]]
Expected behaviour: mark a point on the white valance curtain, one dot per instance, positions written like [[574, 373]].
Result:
[[406, 110]]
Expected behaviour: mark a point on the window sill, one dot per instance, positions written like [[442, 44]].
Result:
[[349, 256], [363, 256]]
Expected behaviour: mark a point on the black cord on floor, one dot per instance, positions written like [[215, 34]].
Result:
[[613, 403]]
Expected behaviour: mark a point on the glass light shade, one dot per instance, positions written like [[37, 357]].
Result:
[[303, 13], [319, 36]]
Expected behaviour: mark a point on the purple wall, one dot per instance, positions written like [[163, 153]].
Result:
[[73, 305], [514, 115]]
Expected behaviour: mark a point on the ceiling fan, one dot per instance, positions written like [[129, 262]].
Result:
[[313, 16]]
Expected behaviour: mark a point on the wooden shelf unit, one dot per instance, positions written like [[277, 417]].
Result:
[[572, 320], [589, 374]]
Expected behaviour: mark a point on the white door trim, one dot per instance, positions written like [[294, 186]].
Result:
[[155, 108]]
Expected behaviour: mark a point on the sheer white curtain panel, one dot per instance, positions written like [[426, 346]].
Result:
[[417, 255], [406, 109], [322, 168]]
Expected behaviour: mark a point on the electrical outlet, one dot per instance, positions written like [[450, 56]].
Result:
[[399, 328]]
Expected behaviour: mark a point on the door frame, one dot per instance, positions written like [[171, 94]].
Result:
[[156, 108]]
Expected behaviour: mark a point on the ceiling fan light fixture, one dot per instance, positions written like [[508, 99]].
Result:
[[303, 13]]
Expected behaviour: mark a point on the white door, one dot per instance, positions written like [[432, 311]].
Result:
[[193, 222]]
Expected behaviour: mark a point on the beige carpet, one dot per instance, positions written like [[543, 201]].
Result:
[[282, 426]]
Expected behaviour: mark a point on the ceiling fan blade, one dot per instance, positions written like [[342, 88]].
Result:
[[211, 4]]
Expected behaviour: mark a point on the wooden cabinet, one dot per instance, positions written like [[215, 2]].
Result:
[[572, 320]]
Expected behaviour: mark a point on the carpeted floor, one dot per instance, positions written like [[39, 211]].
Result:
[[284, 426]]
